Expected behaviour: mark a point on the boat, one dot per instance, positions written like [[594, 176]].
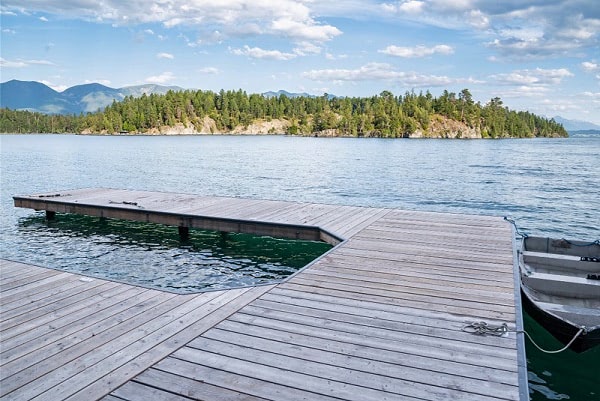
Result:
[[560, 284]]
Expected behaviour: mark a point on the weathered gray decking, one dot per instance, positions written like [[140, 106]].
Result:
[[378, 318]]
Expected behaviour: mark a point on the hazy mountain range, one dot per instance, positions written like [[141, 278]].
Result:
[[35, 96]]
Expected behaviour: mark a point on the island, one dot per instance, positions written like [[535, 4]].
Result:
[[181, 112]]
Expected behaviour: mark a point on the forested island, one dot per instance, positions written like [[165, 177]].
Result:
[[385, 115]]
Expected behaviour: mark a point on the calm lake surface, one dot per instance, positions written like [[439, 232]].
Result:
[[548, 186]]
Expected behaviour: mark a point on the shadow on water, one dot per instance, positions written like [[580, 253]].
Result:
[[154, 255], [551, 376]]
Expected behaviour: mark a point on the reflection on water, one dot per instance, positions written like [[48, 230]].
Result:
[[563, 376], [155, 256]]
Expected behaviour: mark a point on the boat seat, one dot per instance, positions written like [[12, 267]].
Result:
[[561, 285], [552, 261]]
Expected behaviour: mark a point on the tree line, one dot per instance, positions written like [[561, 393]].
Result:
[[383, 115]]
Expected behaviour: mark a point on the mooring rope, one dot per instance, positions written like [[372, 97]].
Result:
[[484, 329], [517, 231]]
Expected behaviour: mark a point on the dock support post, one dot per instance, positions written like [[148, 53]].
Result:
[[184, 233], [50, 215]]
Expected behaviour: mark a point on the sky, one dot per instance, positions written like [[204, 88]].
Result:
[[537, 55]]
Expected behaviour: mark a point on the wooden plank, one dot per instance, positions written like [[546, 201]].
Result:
[[219, 376], [8, 280], [18, 325], [443, 331], [58, 384], [165, 342], [63, 290], [16, 293], [118, 326], [431, 359], [378, 317], [394, 369], [399, 255], [316, 325], [325, 379], [349, 334], [295, 302], [408, 284], [73, 332], [383, 271], [404, 299], [134, 391], [178, 385], [416, 298]]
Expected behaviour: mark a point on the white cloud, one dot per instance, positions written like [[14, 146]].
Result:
[[258, 53], [305, 48], [417, 51], [165, 55], [304, 30], [209, 70], [537, 77], [9, 31], [149, 31], [379, 72], [477, 19], [291, 18], [330, 56], [411, 6], [58, 88], [590, 66], [43, 19], [12, 63], [163, 78], [20, 63]]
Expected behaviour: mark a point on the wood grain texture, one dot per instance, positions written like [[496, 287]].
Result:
[[379, 317]]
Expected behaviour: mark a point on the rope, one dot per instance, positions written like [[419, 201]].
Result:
[[483, 329], [581, 330], [514, 223]]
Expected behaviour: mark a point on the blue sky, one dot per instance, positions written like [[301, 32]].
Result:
[[536, 55]]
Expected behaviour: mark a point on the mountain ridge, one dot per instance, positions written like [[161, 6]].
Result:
[[576, 125], [85, 98]]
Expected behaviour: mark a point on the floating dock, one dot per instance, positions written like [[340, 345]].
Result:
[[379, 317]]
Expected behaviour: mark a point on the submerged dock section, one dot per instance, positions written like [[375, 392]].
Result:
[[379, 317]]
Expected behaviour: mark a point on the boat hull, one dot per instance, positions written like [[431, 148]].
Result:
[[561, 330], [558, 291]]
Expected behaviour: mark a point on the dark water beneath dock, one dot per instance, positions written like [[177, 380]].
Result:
[[548, 186]]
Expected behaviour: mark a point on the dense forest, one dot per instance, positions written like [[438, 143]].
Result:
[[384, 115]]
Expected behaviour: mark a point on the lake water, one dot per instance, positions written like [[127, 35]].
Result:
[[548, 186]]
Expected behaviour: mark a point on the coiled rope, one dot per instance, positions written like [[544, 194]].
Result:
[[484, 329]]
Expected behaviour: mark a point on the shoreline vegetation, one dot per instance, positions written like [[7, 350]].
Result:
[[385, 115]]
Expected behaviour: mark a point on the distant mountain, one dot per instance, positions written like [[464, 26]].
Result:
[[285, 93], [91, 97], [35, 96], [585, 133], [139, 90], [293, 95], [576, 125]]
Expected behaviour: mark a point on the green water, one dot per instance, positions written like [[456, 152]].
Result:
[[154, 255], [564, 376]]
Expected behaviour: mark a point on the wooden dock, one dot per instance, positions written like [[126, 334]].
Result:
[[379, 317]]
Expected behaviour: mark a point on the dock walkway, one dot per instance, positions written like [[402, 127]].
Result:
[[379, 317]]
